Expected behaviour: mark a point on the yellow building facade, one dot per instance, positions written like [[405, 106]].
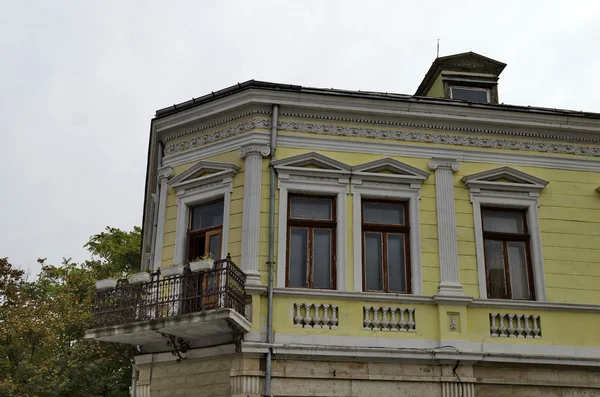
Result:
[[436, 244]]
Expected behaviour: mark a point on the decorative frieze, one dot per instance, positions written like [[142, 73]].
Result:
[[315, 315], [397, 319], [387, 134], [511, 325]]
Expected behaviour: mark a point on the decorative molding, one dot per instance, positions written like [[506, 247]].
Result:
[[519, 181], [510, 197], [165, 173], [328, 346], [192, 190], [396, 172], [534, 305], [440, 139], [217, 135], [204, 127], [246, 385], [446, 224], [387, 134], [315, 315], [395, 319], [428, 151], [312, 164], [442, 163], [254, 150], [458, 389], [512, 325], [253, 155], [356, 296], [397, 192]]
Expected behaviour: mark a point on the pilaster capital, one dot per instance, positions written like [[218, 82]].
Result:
[[165, 173], [443, 163], [254, 150]]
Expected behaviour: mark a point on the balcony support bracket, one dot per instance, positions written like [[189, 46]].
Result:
[[237, 336], [179, 346]]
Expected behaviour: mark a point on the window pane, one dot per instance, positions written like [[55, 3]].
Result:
[[466, 94], [310, 208], [196, 248], [494, 260], [298, 257], [396, 263], [322, 258], [207, 215], [517, 263], [503, 221], [373, 265], [214, 246], [384, 214]]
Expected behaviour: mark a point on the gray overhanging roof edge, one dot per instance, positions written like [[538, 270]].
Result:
[[264, 85]]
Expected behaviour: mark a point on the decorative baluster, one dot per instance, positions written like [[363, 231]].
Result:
[[502, 328], [384, 320], [511, 329], [394, 323], [493, 327], [376, 321], [325, 315], [298, 318], [519, 328], [317, 318], [527, 329], [402, 321], [411, 322], [367, 321], [334, 320], [536, 328], [307, 318]]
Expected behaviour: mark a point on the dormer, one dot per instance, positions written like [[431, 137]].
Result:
[[467, 77]]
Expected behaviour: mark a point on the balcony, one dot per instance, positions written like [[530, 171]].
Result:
[[193, 309]]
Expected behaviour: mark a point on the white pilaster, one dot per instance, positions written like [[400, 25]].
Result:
[[253, 155], [446, 220], [163, 176]]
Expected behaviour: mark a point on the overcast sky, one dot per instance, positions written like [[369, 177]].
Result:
[[80, 81]]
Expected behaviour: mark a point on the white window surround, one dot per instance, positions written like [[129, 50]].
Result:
[[402, 185], [517, 190], [203, 182], [332, 178]]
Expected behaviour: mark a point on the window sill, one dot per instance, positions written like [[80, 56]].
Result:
[[359, 296], [535, 305]]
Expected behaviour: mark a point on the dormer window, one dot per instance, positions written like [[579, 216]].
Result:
[[471, 94]]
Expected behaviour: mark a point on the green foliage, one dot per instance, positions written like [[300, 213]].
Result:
[[42, 324]]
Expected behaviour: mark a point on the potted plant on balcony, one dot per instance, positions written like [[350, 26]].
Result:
[[202, 263], [139, 278], [175, 270]]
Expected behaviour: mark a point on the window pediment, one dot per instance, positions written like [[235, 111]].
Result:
[[389, 170], [312, 165], [505, 179], [204, 173]]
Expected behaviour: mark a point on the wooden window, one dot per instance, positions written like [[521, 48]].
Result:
[[205, 230], [311, 242], [385, 239], [507, 254]]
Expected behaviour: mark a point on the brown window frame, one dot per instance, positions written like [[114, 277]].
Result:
[[208, 232], [311, 225], [507, 238], [385, 229]]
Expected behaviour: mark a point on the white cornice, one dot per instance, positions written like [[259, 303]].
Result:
[[519, 181], [428, 115]]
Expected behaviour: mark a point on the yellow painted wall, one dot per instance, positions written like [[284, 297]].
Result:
[[569, 222], [437, 88]]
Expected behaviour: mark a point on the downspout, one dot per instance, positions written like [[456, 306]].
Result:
[[135, 375], [271, 262]]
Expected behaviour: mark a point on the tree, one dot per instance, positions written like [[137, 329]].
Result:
[[42, 324]]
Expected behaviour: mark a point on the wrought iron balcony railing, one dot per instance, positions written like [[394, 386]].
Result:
[[220, 287]]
